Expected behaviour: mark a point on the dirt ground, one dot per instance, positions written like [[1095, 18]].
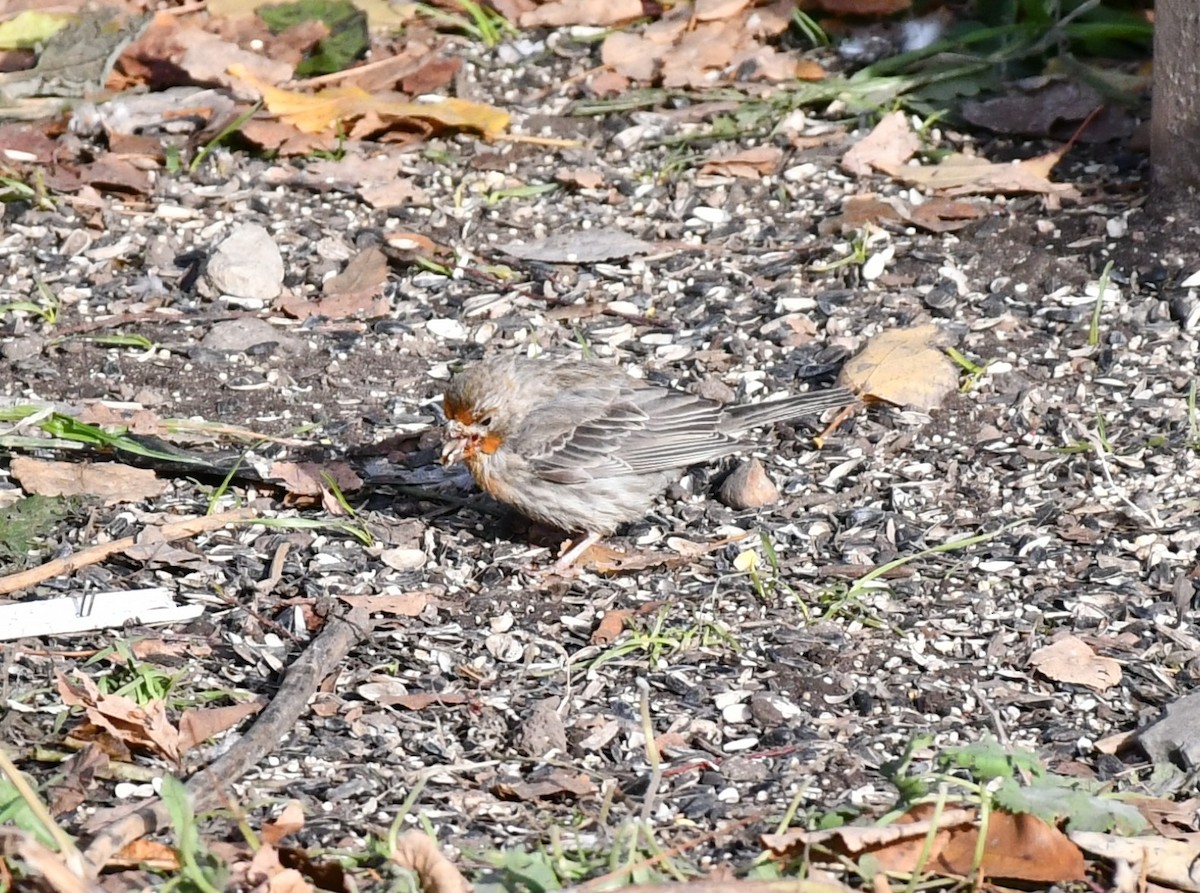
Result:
[[498, 702]]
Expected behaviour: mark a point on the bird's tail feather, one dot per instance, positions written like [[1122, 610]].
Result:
[[753, 415]]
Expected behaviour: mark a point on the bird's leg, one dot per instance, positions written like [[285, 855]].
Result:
[[576, 551]]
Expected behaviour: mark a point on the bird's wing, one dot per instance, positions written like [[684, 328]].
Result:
[[588, 433], [576, 435]]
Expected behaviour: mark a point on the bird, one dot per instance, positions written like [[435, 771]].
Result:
[[582, 446]]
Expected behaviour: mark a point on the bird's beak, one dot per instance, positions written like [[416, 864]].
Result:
[[454, 443], [453, 450]]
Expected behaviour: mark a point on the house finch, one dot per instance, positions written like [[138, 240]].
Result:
[[584, 447]]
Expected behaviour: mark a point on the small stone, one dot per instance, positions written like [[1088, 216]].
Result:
[[247, 265], [22, 348], [800, 173], [449, 329], [736, 713], [711, 215], [942, 300], [543, 730], [401, 559], [725, 699], [241, 335], [624, 308], [748, 487], [715, 389], [771, 710], [877, 263], [504, 647]]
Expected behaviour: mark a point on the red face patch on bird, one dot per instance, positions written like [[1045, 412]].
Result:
[[458, 412], [468, 434]]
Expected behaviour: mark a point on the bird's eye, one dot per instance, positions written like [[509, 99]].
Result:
[[485, 422]]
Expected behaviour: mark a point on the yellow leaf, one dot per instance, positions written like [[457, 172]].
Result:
[[460, 114], [30, 28], [318, 112]]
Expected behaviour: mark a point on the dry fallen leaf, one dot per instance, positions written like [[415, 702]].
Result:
[[326, 109], [904, 366], [110, 481], [611, 625], [1071, 660], [416, 852], [145, 853], [1017, 848], [290, 821], [408, 604], [902, 840], [197, 725], [810, 70], [141, 728], [718, 41], [1172, 862], [558, 13], [205, 58], [285, 140], [885, 148], [560, 783], [749, 164], [363, 279], [423, 699], [969, 175], [309, 478], [943, 215]]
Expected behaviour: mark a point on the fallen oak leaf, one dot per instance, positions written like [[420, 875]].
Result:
[[853, 840]]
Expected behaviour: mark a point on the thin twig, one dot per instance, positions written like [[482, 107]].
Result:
[[208, 786], [61, 567]]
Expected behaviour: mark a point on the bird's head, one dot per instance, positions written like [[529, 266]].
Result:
[[479, 403]]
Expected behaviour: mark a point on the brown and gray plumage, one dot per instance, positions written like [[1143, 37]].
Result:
[[584, 447]]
